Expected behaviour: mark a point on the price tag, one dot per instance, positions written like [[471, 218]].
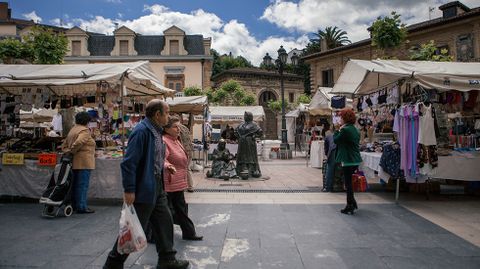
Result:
[[13, 159], [47, 159]]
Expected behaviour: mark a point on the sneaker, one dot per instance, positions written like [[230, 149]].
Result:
[[45, 200], [173, 264]]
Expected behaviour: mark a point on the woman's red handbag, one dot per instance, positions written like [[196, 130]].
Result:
[[359, 183]]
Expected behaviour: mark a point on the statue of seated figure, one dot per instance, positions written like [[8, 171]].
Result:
[[223, 166]]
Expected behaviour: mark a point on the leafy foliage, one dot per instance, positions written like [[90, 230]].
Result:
[[247, 100], [11, 49], [41, 46], [193, 91], [333, 36], [275, 106], [230, 93], [430, 52], [225, 62], [304, 99], [388, 32]]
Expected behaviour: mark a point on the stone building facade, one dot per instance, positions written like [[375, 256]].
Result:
[[458, 31], [265, 85]]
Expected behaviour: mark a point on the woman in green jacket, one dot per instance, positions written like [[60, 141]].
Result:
[[347, 139]]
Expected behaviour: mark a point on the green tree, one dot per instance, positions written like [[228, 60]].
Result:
[[48, 47], [41, 46], [231, 93], [193, 91], [13, 49], [304, 99], [225, 62], [333, 36], [312, 47], [388, 32], [248, 100], [430, 52], [275, 106]]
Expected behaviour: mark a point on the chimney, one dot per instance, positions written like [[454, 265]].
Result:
[[323, 45], [453, 9], [5, 12]]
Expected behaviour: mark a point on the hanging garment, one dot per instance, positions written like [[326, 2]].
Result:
[[390, 160], [427, 159], [396, 122], [338, 102], [426, 128], [57, 123]]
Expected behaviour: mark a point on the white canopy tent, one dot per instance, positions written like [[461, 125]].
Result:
[[191, 104], [137, 78], [220, 114], [362, 77]]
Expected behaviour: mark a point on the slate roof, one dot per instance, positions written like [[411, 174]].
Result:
[[100, 45], [149, 44], [194, 44], [144, 44]]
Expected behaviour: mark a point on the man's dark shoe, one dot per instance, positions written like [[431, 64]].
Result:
[[113, 264], [193, 238], [85, 211], [173, 264]]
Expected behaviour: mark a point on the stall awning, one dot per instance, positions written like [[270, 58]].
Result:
[[69, 79], [190, 104], [320, 104], [235, 113], [361, 76]]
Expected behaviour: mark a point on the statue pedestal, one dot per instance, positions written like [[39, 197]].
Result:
[[285, 154]]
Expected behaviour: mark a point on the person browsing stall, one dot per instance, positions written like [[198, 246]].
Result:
[[347, 139], [81, 145]]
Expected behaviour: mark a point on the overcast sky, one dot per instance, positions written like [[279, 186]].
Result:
[[244, 27]]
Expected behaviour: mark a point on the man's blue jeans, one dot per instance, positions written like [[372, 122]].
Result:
[[81, 180], [330, 171]]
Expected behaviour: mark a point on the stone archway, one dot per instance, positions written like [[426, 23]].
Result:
[[269, 125]]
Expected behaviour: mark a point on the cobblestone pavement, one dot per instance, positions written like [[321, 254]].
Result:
[[244, 236], [280, 222]]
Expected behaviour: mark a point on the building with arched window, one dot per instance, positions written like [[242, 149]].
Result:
[[265, 85]]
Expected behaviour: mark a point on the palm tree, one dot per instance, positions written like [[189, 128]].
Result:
[[334, 37]]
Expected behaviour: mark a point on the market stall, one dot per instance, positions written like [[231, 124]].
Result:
[[193, 106], [440, 106], [232, 115], [113, 94]]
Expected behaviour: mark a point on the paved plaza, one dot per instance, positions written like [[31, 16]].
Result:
[[249, 228]]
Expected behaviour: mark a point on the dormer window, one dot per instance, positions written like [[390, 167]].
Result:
[[123, 47], [174, 47], [76, 48]]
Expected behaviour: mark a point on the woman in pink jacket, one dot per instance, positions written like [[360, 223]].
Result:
[[175, 178]]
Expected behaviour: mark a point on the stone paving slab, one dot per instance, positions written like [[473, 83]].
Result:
[[244, 236]]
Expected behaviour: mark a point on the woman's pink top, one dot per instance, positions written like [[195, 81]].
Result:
[[175, 155]]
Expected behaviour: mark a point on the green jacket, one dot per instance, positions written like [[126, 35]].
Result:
[[348, 151]]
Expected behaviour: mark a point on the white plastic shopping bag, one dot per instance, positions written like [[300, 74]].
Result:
[[131, 237]]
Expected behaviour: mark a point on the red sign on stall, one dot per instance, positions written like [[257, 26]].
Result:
[[47, 159]]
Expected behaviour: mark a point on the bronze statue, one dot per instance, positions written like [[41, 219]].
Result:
[[222, 166], [247, 159]]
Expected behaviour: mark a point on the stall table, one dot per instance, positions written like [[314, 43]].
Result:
[[30, 180]]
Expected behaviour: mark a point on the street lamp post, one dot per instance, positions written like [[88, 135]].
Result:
[[281, 62]]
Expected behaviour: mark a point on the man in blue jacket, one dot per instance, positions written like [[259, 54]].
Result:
[[142, 177]]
